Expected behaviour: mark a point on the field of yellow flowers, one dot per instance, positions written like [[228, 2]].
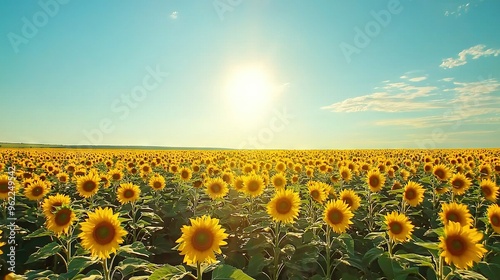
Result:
[[352, 214]]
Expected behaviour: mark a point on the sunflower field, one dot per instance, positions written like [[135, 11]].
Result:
[[224, 214]]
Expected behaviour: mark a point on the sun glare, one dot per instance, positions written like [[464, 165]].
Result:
[[249, 93]]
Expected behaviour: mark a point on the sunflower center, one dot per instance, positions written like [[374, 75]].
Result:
[[145, 168], [410, 194], [128, 193], [344, 174], [487, 191], [456, 245], [452, 216], [202, 240], [495, 220], [37, 191], [283, 206], [184, 174], [315, 194], [335, 216], [458, 184], [156, 185], [216, 188], [104, 233], [63, 217], [63, 179], [253, 186], [439, 173], [348, 201], [54, 205], [89, 186], [116, 176], [278, 182], [395, 227], [374, 181], [4, 187]]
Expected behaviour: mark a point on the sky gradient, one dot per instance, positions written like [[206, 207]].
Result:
[[251, 74]]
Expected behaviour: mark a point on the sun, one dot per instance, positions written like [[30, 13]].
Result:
[[249, 93]]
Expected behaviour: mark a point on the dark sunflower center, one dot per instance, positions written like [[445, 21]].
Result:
[[54, 205], [202, 240], [456, 245], [395, 227], [4, 187], [225, 177], [315, 194], [104, 233], [185, 174], [344, 174], [63, 179], [37, 191], [156, 185], [253, 186], [133, 170], [497, 168], [495, 220], [484, 171], [458, 184], [116, 176], [427, 168], [335, 216], [89, 186], [453, 217], [283, 206], [62, 217], [145, 168], [439, 173], [374, 181], [278, 182], [487, 191], [239, 184], [348, 201], [410, 194], [197, 184], [216, 188], [128, 193]]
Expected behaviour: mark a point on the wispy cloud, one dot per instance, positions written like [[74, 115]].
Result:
[[391, 97], [475, 52], [174, 15], [446, 79], [460, 10]]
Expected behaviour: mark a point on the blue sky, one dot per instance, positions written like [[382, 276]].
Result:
[[251, 74]]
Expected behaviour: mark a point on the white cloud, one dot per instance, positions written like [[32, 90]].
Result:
[[394, 97], [475, 52], [446, 79], [460, 10], [417, 79], [174, 15]]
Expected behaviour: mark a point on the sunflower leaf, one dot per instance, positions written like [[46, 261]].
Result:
[[225, 272], [169, 272], [45, 252]]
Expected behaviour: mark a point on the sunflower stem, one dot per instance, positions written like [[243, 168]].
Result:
[[389, 247], [105, 269], [328, 253], [199, 271], [276, 251]]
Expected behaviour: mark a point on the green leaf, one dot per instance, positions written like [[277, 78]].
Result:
[[490, 270], [226, 272], [393, 269], [136, 248], [256, 264], [428, 245], [77, 265], [417, 259], [45, 252], [38, 233], [374, 235], [469, 274], [169, 272], [348, 242], [372, 255]]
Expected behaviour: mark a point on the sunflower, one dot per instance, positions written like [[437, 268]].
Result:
[[460, 245], [459, 183], [489, 189], [63, 177], [375, 180], [345, 173], [102, 233], [37, 190], [216, 188], [317, 192], [254, 185], [454, 212], [157, 182], [278, 181], [494, 217], [351, 199], [88, 185], [399, 227], [4, 186], [239, 183], [228, 177], [441, 172], [50, 203], [128, 192], [414, 193], [280, 167], [485, 170], [61, 220], [185, 174], [105, 180], [284, 206], [1, 243], [201, 239], [338, 215], [116, 175]]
